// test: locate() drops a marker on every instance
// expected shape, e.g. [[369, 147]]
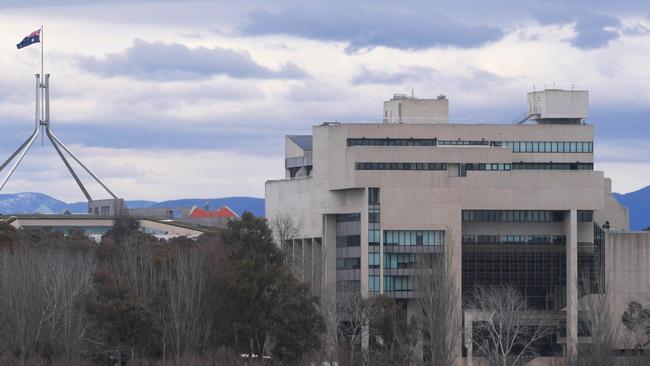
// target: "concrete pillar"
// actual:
[[365, 338], [453, 247], [571, 232], [469, 319]]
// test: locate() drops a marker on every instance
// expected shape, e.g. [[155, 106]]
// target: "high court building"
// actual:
[[517, 204]]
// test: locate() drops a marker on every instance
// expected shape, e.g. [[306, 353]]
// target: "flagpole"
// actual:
[[42, 85], [42, 72]]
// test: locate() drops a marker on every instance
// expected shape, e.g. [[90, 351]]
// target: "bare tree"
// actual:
[[506, 330], [184, 301], [330, 338], [597, 321], [438, 300], [41, 302], [355, 314], [285, 228]]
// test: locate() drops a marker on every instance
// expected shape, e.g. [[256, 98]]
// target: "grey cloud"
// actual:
[[635, 29], [415, 73], [174, 61], [595, 30], [370, 26], [421, 25]]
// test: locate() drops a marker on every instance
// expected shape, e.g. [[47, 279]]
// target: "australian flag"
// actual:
[[34, 37]]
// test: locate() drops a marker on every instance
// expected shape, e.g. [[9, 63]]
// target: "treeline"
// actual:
[[225, 299]]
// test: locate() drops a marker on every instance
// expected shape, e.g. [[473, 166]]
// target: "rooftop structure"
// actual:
[[409, 109]]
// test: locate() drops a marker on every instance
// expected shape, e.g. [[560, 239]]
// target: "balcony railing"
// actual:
[[298, 162]]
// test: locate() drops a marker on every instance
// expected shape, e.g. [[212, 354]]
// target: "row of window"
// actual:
[[512, 216], [352, 217], [517, 146], [344, 241], [391, 283], [552, 166], [400, 166], [348, 263], [475, 166], [522, 216], [414, 237], [399, 260], [391, 142], [398, 283], [547, 146], [463, 143], [487, 166], [504, 239], [393, 260]]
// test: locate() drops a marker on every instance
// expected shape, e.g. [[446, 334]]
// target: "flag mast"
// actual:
[[42, 86], [42, 72]]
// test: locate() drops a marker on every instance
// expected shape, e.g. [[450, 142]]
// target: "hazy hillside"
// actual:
[[26, 203], [638, 202]]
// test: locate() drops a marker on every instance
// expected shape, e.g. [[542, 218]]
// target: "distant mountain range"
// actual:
[[29, 202], [638, 202]]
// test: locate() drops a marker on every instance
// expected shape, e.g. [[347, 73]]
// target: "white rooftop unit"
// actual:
[[409, 109], [558, 106]]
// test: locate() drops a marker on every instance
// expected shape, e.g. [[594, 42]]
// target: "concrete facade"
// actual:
[[476, 186]]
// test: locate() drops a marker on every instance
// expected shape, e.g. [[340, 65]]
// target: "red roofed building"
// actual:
[[223, 212]]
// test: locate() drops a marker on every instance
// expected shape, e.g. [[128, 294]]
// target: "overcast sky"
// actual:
[[170, 99]]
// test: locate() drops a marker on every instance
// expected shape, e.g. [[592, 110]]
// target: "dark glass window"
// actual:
[[373, 196], [585, 216], [512, 216], [391, 142], [399, 166], [348, 263]]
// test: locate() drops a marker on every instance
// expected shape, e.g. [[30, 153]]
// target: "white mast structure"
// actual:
[[42, 126]]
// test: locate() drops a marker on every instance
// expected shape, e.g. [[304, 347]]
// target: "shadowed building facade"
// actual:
[[516, 204]]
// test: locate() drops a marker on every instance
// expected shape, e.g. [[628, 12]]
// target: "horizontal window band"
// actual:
[[516, 146]]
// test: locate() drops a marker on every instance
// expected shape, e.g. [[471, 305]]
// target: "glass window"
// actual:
[[373, 237], [388, 284], [373, 283], [373, 196], [373, 260]]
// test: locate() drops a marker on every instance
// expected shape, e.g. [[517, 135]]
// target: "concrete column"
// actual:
[[571, 232], [453, 247], [365, 338], [469, 319], [328, 246]]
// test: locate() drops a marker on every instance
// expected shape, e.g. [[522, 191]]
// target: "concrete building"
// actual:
[[195, 216], [96, 226], [517, 204]]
